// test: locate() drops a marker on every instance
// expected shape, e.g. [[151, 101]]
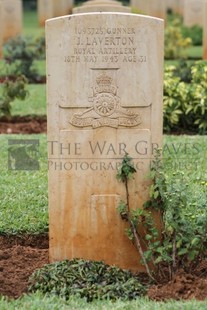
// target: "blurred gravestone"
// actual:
[[1, 29], [193, 13], [45, 11], [205, 30], [12, 18], [101, 6], [62, 7], [104, 97], [156, 8], [176, 6]]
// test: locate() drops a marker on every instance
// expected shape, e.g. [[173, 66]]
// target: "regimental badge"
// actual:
[[106, 109]]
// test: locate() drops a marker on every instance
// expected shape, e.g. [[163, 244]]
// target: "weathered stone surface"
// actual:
[[45, 11], [104, 94], [193, 12], [101, 6], [156, 8], [205, 30], [12, 18]]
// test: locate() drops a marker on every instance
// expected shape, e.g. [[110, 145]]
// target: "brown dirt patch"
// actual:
[[24, 125], [183, 286], [20, 256]]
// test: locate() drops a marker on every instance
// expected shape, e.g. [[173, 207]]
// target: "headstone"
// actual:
[[60, 7], [45, 11], [1, 29], [12, 18], [193, 13], [104, 97], [205, 30], [70, 6], [156, 8], [176, 6], [101, 6]]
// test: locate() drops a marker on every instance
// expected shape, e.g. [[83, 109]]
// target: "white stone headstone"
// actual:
[[193, 13], [104, 94], [12, 18], [45, 11]]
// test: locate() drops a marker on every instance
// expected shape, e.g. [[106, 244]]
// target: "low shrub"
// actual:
[[20, 53], [195, 33], [185, 104], [175, 43], [182, 241], [86, 279], [10, 91]]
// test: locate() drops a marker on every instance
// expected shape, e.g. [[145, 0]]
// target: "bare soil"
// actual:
[[20, 256], [23, 125]]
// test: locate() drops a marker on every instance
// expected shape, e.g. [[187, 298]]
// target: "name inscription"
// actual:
[[107, 45]]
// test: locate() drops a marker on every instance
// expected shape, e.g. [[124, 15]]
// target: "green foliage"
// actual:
[[86, 279], [195, 33], [20, 53], [126, 169], [175, 43], [183, 240], [185, 105], [10, 91], [183, 71]]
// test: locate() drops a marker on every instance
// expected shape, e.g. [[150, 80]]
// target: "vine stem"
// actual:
[[136, 237]]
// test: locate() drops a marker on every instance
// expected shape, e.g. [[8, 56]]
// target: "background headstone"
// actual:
[[104, 97], [1, 29], [61, 7], [45, 11], [205, 30], [101, 6], [12, 18], [156, 8], [176, 6], [193, 13]]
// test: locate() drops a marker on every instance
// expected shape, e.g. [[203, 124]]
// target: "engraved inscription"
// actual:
[[106, 109], [92, 45]]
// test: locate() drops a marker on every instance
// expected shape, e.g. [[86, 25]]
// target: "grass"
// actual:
[[195, 52], [38, 301], [30, 24], [23, 194]]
